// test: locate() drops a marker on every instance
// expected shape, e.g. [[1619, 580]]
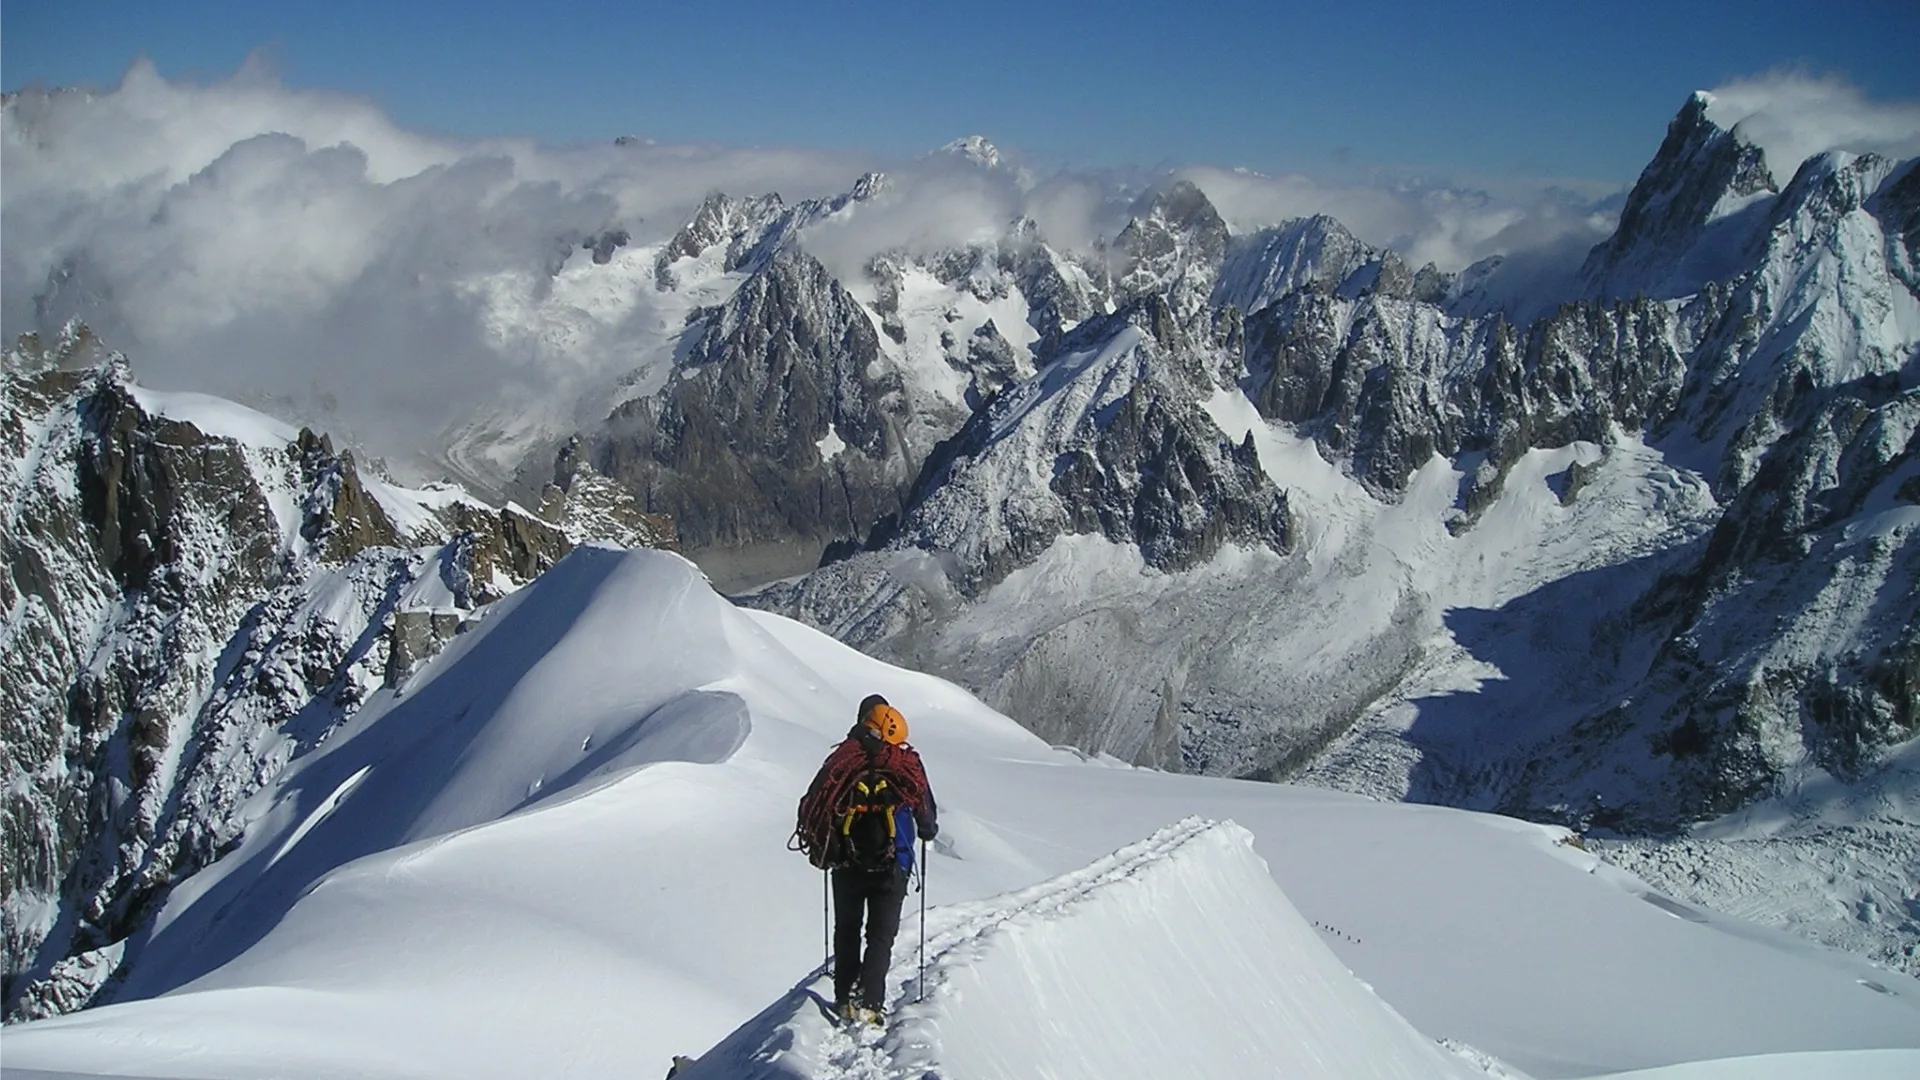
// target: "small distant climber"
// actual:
[[859, 819]]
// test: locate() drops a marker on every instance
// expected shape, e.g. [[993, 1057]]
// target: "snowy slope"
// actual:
[[559, 850]]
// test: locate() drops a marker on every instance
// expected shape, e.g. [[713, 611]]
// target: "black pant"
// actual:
[[876, 896]]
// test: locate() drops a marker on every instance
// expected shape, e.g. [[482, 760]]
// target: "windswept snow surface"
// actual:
[[1176, 956], [559, 850]]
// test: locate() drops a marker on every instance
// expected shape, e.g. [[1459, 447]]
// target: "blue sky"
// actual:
[[1543, 88]]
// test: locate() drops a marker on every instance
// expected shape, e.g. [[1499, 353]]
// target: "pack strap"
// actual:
[[885, 810]]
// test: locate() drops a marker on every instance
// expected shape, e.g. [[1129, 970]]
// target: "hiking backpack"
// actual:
[[859, 811], [876, 828]]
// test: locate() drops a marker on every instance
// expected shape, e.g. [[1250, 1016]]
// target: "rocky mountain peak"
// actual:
[[1181, 208], [720, 219], [590, 508], [782, 389], [1831, 184], [1273, 262], [1703, 175], [341, 516], [74, 348], [1173, 246]]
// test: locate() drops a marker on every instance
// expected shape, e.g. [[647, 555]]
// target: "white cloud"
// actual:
[[1792, 116], [925, 206], [250, 240], [1450, 222]]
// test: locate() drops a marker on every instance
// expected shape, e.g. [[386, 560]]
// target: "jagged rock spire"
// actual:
[[1702, 174]]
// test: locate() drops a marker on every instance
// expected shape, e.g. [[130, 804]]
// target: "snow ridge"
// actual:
[[1038, 982]]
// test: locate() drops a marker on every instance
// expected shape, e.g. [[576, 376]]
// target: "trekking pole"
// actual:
[[922, 982], [826, 940]]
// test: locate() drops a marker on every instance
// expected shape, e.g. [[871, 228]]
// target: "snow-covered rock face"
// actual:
[[197, 596], [1386, 382], [1788, 648], [735, 223], [1316, 251], [1111, 440]]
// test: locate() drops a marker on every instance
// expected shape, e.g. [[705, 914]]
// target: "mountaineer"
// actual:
[[859, 819]]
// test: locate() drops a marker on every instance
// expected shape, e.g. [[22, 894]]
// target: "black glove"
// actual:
[[932, 830]]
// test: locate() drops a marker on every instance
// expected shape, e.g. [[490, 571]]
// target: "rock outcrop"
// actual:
[[1687, 220], [778, 424]]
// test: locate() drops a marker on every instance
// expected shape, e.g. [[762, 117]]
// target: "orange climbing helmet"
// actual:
[[883, 719]]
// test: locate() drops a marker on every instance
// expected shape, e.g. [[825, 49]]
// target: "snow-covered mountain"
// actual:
[[1278, 504], [1446, 432], [197, 595], [555, 848], [1637, 565]]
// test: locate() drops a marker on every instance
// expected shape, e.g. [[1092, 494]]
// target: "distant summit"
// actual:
[[974, 148]]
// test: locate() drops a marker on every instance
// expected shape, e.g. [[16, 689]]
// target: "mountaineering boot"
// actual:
[[872, 1016], [846, 1011]]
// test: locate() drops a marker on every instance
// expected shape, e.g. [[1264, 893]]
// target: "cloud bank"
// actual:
[[1793, 115], [1450, 222], [298, 250]]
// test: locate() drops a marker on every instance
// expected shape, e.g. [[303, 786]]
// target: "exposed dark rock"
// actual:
[[1721, 721], [1056, 288], [587, 506], [1162, 480], [736, 223], [341, 517], [1387, 382], [777, 425], [1131, 456], [991, 364], [1173, 247]]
